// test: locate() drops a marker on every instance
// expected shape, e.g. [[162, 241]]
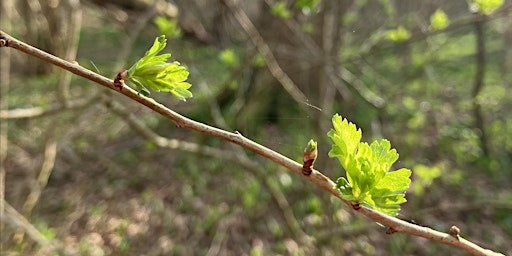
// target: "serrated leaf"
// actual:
[[155, 72], [383, 154], [389, 193], [368, 180], [345, 137], [343, 186], [396, 181]]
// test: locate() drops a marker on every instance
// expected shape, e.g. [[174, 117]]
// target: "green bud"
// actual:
[[311, 151]]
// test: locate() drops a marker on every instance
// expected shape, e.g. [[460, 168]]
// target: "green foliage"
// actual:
[[369, 181], [250, 195], [438, 20], [258, 61], [485, 6], [307, 6], [154, 71], [168, 27], [280, 10], [308, 27], [45, 230], [229, 57], [398, 35], [423, 178]]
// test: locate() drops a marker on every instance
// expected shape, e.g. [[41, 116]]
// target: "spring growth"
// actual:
[[155, 72], [310, 154]]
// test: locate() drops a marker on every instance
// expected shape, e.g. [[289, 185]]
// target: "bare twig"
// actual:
[[316, 177], [500, 13], [5, 70], [50, 153], [236, 157], [266, 52], [253, 167], [55, 108], [478, 86], [221, 234], [17, 221]]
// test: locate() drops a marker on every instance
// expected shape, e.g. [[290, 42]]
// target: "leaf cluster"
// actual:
[[155, 72], [369, 181]]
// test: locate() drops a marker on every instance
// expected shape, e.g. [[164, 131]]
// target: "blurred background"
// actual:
[[89, 172]]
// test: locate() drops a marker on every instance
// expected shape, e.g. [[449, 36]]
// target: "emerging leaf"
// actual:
[[311, 151], [310, 154], [155, 72], [369, 181]]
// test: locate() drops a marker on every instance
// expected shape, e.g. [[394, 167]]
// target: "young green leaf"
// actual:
[[368, 179], [155, 72]]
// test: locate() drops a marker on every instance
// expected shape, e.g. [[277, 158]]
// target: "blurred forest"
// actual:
[[87, 171]]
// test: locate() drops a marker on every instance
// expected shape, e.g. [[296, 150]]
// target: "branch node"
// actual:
[[356, 206], [119, 80], [178, 124], [310, 155], [307, 168], [4, 42], [390, 231], [455, 231]]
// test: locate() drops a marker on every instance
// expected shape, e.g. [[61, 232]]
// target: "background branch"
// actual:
[[18, 221], [266, 52], [22, 113]]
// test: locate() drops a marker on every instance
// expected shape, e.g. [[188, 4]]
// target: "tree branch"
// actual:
[[21, 113], [18, 221], [316, 177], [236, 156], [265, 51]]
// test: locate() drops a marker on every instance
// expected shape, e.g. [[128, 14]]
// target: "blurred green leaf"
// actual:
[[424, 176], [258, 61], [229, 57], [398, 35], [307, 6], [280, 10], [485, 6], [168, 27], [155, 72], [438, 20], [308, 27]]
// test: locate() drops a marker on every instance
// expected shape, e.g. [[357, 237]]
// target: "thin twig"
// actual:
[[316, 177], [18, 221], [478, 115], [421, 35], [253, 167], [265, 51], [21, 113], [5, 70], [50, 153], [236, 157]]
